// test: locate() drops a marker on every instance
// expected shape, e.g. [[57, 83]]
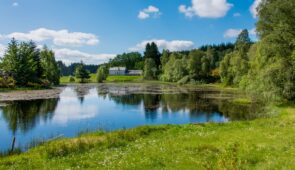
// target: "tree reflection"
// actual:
[[23, 115], [81, 92], [199, 105]]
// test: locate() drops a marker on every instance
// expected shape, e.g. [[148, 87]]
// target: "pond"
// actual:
[[112, 106]]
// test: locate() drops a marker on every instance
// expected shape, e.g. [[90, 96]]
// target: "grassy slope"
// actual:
[[267, 143]]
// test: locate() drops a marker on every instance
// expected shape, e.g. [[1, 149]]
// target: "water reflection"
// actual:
[[195, 104], [112, 107], [24, 115]]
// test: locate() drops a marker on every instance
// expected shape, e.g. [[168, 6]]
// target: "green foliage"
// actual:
[[28, 65], [101, 74], [235, 65], [7, 82], [243, 38], [51, 71], [70, 69], [129, 60], [72, 79], [150, 69], [81, 73], [164, 58], [175, 69], [272, 67], [152, 52], [184, 80]]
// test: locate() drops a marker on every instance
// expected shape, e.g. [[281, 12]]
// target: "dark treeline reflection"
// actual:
[[24, 115], [195, 103]]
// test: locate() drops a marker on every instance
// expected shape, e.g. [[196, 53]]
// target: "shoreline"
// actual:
[[152, 87]]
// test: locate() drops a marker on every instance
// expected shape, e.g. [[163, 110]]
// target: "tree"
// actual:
[[128, 60], [81, 73], [22, 61], [152, 52], [195, 64], [150, 69], [10, 58], [165, 58], [235, 65], [101, 74], [243, 37], [272, 65], [175, 69], [50, 67]]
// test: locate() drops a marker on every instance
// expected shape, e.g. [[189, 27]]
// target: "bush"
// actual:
[[34, 85], [184, 80], [101, 74], [72, 79], [7, 82]]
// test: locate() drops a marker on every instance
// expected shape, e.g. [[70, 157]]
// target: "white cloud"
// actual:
[[253, 31], [237, 14], [206, 8], [59, 37], [75, 111], [2, 49], [148, 12], [143, 15], [175, 45], [15, 4], [253, 8], [233, 33], [70, 56]]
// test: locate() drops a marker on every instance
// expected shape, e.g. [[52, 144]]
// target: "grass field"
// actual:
[[267, 143], [124, 78], [66, 79]]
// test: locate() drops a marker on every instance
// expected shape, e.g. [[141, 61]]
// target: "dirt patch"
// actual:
[[30, 94]]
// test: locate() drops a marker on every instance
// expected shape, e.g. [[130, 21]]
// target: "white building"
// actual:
[[124, 71], [117, 71]]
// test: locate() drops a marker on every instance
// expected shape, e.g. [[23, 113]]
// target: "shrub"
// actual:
[[184, 80], [72, 79], [7, 82]]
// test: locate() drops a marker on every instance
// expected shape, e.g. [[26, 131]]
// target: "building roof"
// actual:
[[117, 68], [135, 71]]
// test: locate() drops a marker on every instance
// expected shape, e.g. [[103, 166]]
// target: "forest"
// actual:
[[23, 64], [265, 67]]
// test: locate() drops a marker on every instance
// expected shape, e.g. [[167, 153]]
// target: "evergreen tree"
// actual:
[[81, 73], [152, 52]]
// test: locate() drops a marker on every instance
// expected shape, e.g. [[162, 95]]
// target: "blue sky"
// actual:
[[96, 30]]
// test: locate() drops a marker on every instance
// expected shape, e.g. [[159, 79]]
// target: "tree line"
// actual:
[[23, 64], [265, 67], [70, 69]]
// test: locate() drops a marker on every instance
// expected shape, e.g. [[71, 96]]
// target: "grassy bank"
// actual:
[[267, 143], [66, 79]]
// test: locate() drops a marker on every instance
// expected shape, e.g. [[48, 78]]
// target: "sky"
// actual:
[[97, 30]]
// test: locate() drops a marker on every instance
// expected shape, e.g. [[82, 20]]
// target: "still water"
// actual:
[[111, 107]]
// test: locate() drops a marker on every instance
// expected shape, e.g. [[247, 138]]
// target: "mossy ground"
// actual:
[[267, 143]]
